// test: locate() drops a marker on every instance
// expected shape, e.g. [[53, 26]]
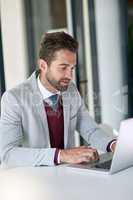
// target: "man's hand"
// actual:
[[78, 155]]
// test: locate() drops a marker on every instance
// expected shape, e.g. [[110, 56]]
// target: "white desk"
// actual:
[[60, 183]]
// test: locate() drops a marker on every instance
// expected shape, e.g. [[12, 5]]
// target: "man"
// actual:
[[39, 117]]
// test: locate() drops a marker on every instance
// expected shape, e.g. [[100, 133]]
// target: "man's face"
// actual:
[[59, 73]]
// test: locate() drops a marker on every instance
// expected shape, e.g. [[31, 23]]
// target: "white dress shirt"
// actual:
[[45, 92]]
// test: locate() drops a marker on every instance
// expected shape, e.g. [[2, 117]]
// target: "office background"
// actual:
[[104, 29]]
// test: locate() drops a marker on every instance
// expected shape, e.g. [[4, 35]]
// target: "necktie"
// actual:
[[54, 101]]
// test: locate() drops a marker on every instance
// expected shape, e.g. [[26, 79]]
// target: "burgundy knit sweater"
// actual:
[[55, 125]]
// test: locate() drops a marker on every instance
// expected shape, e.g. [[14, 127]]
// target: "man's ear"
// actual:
[[42, 64]]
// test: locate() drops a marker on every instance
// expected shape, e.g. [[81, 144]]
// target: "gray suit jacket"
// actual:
[[24, 133]]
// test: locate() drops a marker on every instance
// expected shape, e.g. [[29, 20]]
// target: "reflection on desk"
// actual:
[[61, 183]]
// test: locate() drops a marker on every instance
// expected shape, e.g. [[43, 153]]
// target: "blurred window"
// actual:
[[42, 16]]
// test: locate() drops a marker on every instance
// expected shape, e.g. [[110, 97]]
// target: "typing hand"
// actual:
[[78, 155]]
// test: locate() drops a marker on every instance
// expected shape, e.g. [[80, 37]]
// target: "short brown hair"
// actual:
[[52, 42]]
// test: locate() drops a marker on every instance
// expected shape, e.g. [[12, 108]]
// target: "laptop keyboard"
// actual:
[[104, 165]]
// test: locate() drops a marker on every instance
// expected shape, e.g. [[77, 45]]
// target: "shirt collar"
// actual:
[[45, 93]]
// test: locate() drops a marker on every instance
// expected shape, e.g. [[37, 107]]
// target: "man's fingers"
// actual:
[[92, 153], [96, 155]]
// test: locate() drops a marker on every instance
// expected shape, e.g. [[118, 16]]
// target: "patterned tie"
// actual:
[[54, 101]]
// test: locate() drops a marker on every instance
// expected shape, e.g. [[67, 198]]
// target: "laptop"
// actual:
[[122, 158]]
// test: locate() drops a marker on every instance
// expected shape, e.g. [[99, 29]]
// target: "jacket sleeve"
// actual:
[[12, 153], [90, 130]]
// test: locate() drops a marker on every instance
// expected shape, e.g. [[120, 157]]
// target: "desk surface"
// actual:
[[62, 183]]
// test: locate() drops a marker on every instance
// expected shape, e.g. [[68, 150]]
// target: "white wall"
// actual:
[[13, 41], [110, 62]]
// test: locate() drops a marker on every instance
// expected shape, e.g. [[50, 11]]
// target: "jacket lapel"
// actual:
[[40, 110], [38, 105]]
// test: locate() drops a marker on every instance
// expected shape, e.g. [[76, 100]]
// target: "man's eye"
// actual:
[[63, 68], [73, 68]]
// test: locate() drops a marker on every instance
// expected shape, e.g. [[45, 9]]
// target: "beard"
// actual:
[[57, 84]]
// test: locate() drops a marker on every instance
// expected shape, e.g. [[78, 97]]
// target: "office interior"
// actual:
[[104, 29]]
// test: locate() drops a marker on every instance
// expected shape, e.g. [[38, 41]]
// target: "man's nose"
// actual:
[[69, 74]]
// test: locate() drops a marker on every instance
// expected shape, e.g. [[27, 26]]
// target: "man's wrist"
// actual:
[[57, 157], [110, 145]]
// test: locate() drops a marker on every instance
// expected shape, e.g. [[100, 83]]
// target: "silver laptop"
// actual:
[[121, 159]]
